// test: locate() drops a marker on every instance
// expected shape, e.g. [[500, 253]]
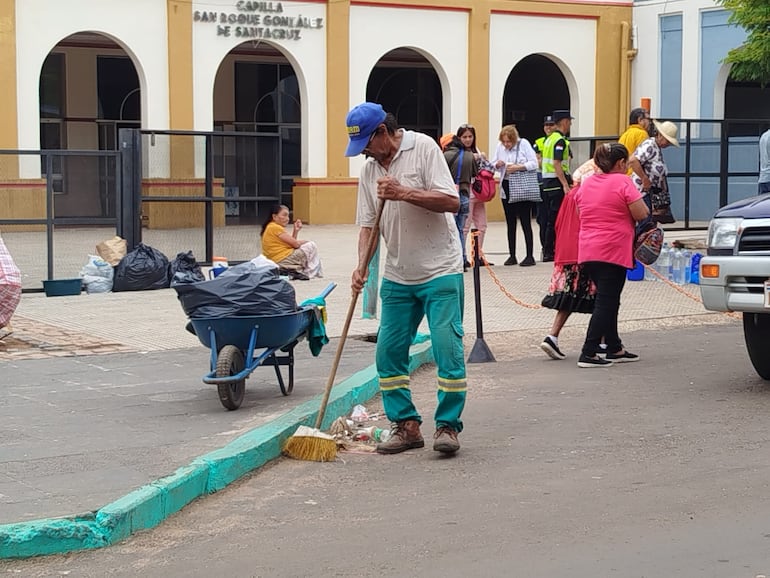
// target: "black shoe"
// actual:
[[528, 262], [548, 259], [551, 349], [585, 361], [487, 263], [624, 357], [511, 261]]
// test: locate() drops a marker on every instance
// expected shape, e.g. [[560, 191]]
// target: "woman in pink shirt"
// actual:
[[570, 289], [609, 206]]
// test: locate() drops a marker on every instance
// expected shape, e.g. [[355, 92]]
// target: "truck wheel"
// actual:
[[756, 332]]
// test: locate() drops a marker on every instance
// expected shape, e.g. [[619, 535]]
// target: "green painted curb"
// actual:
[[148, 506]]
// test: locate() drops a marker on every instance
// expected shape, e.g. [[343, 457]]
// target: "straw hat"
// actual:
[[667, 130]]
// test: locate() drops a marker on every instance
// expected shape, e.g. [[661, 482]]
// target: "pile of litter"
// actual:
[[359, 433]]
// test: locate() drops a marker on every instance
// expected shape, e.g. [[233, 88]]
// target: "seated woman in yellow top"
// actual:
[[286, 250]]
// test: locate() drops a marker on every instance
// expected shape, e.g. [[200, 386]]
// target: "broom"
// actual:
[[311, 444]]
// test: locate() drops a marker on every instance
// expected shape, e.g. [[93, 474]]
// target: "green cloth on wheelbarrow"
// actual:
[[316, 331]]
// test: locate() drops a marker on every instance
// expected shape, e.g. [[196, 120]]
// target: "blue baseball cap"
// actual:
[[362, 121]]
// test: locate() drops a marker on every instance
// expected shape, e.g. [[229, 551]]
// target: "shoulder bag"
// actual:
[[661, 204], [648, 243], [523, 185]]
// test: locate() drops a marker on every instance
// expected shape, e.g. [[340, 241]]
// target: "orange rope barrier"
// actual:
[[687, 294], [496, 280], [517, 301]]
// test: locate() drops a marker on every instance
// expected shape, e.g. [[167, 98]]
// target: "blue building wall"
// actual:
[[743, 156], [717, 39], [671, 66]]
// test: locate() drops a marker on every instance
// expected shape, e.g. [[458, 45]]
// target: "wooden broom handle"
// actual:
[[370, 249]]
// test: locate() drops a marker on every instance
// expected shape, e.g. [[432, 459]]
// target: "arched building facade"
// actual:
[[77, 71]]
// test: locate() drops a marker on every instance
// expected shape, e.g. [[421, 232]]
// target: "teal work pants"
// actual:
[[441, 300]]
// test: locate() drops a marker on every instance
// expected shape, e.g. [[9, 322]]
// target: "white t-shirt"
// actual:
[[421, 244], [764, 157]]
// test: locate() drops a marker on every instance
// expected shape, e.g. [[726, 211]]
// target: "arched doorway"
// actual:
[[257, 91], [534, 88], [406, 84], [746, 100], [89, 90]]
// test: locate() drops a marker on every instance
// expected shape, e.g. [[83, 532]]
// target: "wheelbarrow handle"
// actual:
[[329, 288]]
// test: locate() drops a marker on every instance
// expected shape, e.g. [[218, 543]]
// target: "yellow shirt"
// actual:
[[632, 138], [272, 246]]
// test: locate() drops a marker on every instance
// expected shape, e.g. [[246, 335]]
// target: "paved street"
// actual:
[[103, 392], [649, 469]]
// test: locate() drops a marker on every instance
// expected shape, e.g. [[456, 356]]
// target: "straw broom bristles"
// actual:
[[311, 444]]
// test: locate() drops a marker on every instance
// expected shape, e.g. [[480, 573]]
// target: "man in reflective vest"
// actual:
[[556, 177], [540, 214]]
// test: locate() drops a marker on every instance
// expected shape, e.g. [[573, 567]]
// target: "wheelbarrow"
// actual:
[[241, 344]]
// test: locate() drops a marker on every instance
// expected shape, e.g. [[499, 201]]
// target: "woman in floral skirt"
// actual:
[[570, 290]]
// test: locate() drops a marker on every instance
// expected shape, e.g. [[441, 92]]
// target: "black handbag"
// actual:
[[661, 204]]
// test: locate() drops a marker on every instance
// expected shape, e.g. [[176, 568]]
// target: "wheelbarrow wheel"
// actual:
[[230, 362]]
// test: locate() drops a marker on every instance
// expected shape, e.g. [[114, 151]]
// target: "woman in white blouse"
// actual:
[[515, 154]]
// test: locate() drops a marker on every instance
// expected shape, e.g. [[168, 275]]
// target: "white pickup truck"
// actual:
[[735, 273]]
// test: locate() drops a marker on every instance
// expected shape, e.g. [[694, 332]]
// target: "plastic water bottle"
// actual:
[[677, 267], [648, 274], [663, 264], [687, 260], [372, 433], [695, 269]]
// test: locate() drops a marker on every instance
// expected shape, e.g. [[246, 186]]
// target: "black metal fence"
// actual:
[[69, 200], [246, 166], [716, 163]]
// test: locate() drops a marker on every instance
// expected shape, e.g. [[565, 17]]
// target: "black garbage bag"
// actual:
[[142, 269], [185, 269], [243, 290]]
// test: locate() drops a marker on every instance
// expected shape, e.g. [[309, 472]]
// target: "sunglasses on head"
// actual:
[[462, 126]]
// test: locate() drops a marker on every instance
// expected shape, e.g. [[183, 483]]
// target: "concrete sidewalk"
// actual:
[[152, 320], [103, 395]]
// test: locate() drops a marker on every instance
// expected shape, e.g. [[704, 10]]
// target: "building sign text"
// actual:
[[261, 20]]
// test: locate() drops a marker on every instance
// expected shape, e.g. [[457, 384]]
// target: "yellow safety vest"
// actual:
[[549, 146]]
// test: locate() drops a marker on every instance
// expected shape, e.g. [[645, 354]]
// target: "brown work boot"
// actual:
[[445, 440], [405, 435]]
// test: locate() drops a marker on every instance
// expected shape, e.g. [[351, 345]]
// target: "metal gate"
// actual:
[[54, 197], [56, 205]]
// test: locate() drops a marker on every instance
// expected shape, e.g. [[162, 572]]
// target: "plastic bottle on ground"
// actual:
[[372, 433], [687, 260], [677, 267], [663, 264], [648, 273], [695, 269]]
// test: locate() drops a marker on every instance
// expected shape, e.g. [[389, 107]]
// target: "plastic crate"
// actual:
[[60, 287], [637, 273]]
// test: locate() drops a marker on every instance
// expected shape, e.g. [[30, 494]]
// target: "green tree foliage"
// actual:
[[751, 61]]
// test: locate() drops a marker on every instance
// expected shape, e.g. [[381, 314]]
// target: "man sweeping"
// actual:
[[423, 273]]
